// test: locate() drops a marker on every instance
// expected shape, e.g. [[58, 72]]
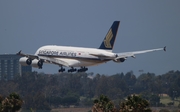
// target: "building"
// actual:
[[9, 66]]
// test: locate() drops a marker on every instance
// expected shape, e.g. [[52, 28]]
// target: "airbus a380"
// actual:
[[79, 57]]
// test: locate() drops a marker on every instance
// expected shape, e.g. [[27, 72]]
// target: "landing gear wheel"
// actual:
[[72, 70], [82, 69], [61, 70]]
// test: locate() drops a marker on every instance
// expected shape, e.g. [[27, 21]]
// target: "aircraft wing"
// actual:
[[27, 55], [132, 54], [101, 56], [45, 59]]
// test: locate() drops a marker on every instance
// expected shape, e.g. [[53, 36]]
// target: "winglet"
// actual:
[[164, 48], [18, 53]]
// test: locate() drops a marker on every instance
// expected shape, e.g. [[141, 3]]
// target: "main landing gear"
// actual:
[[82, 69], [62, 69], [72, 70]]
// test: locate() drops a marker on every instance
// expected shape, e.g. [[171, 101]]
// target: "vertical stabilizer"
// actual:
[[110, 37]]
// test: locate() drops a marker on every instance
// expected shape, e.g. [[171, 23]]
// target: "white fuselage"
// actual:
[[76, 56], [66, 56]]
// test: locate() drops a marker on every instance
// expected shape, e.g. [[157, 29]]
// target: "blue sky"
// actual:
[[27, 25]]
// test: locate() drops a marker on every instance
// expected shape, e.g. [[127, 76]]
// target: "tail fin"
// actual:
[[110, 37]]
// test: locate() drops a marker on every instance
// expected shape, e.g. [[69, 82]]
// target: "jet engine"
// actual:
[[119, 60], [25, 61], [37, 63]]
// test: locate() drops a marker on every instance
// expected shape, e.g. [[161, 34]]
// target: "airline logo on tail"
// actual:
[[107, 40], [110, 37]]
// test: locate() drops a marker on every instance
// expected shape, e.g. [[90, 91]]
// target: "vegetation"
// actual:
[[103, 104], [133, 103], [12, 103], [42, 91]]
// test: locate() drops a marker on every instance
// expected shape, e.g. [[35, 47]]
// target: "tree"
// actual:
[[36, 102], [135, 103], [103, 104], [12, 103]]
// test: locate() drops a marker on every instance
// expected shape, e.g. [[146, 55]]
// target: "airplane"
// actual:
[[80, 57]]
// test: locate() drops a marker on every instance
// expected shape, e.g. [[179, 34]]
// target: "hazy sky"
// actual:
[[145, 24]]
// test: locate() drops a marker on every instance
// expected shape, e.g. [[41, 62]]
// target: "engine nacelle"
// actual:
[[120, 60], [25, 61], [37, 63]]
